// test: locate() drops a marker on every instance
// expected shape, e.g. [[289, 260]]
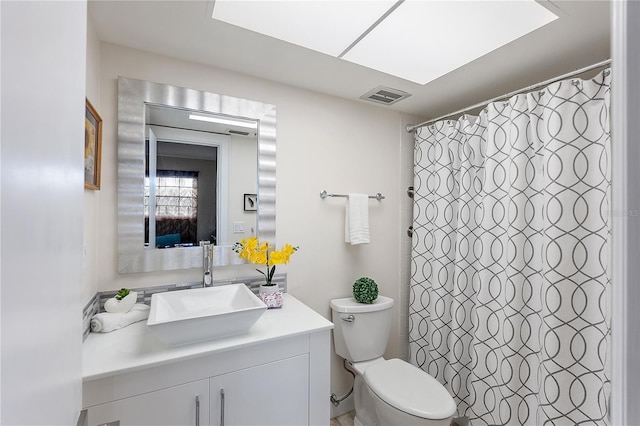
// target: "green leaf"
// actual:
[[124, 292], [365, 290]]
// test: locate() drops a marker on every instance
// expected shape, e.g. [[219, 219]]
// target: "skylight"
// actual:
[[417, 40], [327, 26]]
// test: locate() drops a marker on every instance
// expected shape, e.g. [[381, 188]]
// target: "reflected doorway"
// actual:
[[182, 202]]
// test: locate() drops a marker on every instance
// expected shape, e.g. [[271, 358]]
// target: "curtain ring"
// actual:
[[541, 93], [607, 72]]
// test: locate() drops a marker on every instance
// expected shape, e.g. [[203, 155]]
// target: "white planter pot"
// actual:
[[124, 305]]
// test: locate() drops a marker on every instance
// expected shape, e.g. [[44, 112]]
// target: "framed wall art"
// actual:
[[92, 147], [250, 202]]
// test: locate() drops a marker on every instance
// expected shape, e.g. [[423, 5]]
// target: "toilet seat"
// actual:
[[409, 389]]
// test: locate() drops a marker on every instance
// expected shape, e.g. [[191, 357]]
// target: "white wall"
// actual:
[[43, 91], [323, 142], [91, 197], [242, 180]]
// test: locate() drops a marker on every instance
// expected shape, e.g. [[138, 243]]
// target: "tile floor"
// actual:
[[347, 420], [343, 420]]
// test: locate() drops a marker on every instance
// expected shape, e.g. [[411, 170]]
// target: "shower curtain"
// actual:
[[510, 279]]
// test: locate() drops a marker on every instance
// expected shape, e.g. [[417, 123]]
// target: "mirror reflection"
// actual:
[[199, 169], [193, 166]]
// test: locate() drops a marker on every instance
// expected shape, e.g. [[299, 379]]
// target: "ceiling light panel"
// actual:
[[224, 121], [423, 40], [327, 26]]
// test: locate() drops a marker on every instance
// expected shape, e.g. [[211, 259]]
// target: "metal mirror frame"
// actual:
[[133, 95]]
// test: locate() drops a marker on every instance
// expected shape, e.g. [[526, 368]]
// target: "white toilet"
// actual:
[[386, 392]]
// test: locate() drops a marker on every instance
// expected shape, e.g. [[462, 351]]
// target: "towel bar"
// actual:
[[324, 194]]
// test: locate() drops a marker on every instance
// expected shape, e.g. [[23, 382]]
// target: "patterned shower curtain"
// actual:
[[509, 298]]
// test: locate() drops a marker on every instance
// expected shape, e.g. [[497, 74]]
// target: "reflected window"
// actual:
[[176, 208], [176, 212], [176, 194]]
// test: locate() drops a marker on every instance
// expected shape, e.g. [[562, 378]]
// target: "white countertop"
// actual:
[[136, 347]]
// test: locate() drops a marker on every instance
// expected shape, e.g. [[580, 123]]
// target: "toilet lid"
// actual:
[[409, 389]]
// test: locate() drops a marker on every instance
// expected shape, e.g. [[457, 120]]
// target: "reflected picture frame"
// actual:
[[92, 146], [250, 202]]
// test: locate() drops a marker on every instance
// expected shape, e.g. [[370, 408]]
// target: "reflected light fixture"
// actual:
[[225, 121]]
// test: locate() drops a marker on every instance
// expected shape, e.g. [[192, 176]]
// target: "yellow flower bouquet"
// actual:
[[253, 251]]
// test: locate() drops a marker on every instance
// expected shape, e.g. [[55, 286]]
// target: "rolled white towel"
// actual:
[[105, 322]]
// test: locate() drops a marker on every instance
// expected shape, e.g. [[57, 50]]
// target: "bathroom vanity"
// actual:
[[275, 374]]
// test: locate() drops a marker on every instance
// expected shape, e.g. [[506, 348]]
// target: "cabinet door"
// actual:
[[167, 407], [272, 394]]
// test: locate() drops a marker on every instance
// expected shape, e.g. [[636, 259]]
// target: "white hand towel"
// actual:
[[105, 322], [356, 229]]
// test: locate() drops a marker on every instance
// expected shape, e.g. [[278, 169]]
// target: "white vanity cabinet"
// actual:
[[274, 394], [277, 374], [186, 404]]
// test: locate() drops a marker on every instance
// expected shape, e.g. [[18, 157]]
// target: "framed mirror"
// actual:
[[145, 246]]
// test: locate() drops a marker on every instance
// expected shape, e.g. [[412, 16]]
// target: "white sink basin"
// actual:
[[188, 316]]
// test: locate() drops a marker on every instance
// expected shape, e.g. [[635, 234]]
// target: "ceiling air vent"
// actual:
[[385, 95]]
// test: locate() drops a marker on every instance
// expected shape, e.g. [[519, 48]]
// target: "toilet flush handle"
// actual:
[[347, 318]]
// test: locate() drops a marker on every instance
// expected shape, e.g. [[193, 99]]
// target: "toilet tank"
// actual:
[[361, 330]]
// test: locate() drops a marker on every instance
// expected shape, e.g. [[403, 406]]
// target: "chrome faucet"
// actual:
[[207, 258]]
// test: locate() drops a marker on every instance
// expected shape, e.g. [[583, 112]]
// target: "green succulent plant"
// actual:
[[122, 293], [365, 290]]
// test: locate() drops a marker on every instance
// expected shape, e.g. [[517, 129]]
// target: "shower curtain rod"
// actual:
[[411, 127]]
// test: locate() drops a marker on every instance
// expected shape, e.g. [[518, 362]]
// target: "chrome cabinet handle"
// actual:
[[222, 407], [197, 410]]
